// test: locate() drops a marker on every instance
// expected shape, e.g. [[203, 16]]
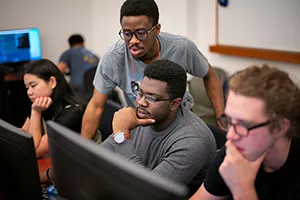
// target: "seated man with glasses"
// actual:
[[260, 157], [160, 134], [141, 43]]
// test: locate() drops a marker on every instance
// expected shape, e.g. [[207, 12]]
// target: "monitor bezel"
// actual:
[[24, 61], [89, 152], [17, 138]]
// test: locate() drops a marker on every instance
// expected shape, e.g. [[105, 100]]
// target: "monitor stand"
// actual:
[[2, 95]]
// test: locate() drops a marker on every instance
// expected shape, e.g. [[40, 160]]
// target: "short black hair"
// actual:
[[140, 7], [75, 39], [171, 73]]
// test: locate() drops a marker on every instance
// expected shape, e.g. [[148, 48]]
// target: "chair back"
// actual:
[[202, 105], [219, 134], [110, 108], [88, 83]]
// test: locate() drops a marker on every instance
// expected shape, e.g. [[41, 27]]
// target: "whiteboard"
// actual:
[[268, 24]]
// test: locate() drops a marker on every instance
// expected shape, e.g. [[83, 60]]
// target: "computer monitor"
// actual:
[[19, 176], [20, 45], [85, 170]]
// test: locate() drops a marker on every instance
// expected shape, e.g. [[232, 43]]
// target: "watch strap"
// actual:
[[125, 134]]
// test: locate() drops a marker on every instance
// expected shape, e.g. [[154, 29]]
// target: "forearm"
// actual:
[[245, 194], [125, 149], [26, 125], [35, 127], [91, 120], [215, 93], [62, 66], [41, 150]]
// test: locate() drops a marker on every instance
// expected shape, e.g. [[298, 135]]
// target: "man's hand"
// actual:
[[125, 120], [42, 103], [239, 173]]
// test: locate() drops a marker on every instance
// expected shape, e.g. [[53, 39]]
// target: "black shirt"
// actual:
[[70, 117], [283, 183]]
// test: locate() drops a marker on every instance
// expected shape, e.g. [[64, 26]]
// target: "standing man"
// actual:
[[261, 157], [77, 60], [177, 144], [141, 43]]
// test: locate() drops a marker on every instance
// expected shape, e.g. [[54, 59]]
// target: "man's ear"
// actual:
[[157, 29], [176, 103], [284, 125], [53, 82]]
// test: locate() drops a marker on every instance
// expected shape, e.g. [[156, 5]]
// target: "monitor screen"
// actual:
[[19, 176], [85, 170], [20, 45]]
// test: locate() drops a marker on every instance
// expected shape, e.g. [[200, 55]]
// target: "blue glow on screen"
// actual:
[[20, 45]]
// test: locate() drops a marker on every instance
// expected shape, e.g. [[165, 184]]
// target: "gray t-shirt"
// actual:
[[182, 152], [115, 67]]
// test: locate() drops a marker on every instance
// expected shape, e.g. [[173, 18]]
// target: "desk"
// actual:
[[44, 164]]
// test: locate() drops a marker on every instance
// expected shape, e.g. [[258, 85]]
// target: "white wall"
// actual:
[[106, 20], [270, 24], [56, 20], [206, 36], [98, 22], [192, 18]]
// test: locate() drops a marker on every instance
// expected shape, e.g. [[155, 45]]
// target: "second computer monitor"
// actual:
[[85, 170]]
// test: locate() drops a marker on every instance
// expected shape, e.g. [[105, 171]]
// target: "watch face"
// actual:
[[119, 137]]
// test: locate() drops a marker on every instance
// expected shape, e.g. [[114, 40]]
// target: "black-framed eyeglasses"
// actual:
[[139, 34], [149, 98], [240, 128]]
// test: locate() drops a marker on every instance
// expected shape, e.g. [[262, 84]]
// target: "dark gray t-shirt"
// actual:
[[115, 67], [182, 152]]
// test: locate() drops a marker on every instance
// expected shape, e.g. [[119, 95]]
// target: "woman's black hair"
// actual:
[[63, 94]]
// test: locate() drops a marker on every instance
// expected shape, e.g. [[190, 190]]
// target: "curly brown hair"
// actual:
[[280, 94]]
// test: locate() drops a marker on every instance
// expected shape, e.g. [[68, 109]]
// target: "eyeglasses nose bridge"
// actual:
[[232, 132], [131, 36], [140, 97]]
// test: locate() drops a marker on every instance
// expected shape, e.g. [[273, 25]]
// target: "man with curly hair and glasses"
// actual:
[[141, 43], [260, 157]]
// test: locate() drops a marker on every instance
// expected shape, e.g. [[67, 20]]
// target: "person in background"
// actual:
[[160, 134], [260, 158], [77, 60], [142, 43], [52, 99]]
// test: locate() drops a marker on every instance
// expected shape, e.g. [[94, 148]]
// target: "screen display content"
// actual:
[[20, 45]]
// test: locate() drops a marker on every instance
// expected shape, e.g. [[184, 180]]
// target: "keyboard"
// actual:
[[44, 192]]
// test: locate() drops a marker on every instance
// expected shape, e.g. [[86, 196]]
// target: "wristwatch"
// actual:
[[120, 137]]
